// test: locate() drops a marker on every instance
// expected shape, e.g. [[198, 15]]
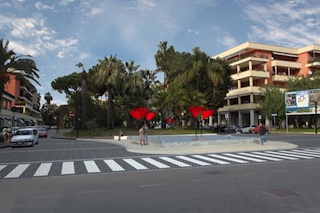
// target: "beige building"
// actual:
[[254, 65]]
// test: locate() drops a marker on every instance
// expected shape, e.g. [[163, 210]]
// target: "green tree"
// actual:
[[22, 66], [84, 92], [108, 72], [48, 98], [272, 102]]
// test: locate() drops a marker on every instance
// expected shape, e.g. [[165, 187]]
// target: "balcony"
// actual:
[[250, 73], [238, 107], [286, 64], [243, 91], [23, 88], [315, 64], [254, 60]]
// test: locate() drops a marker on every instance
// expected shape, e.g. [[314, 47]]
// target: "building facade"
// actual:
[[254, 65], [20, 103]]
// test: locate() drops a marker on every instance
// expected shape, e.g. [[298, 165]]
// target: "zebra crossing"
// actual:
[[46, 169]]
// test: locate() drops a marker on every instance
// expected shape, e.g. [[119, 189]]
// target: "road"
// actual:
[[83, 177]]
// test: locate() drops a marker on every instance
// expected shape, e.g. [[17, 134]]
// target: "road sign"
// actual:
[[274, 114], [71, 114]]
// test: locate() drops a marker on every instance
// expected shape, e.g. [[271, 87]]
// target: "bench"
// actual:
[[122, 138]]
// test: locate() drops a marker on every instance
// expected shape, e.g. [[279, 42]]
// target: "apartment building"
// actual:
[[20, 103], [254, 65]]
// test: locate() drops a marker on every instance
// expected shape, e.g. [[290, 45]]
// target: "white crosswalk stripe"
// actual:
[[313, 154], [290, 155], [156, 163], [211, 159], [259, 156], [2, 167], [43, 170], [175, 162], [275, 155], [244, 157], [135, 164], [228, 158], [91, 166], [16, 172], [114, 166], [148, 163], [201, 163], [303, 154], [67, 168]]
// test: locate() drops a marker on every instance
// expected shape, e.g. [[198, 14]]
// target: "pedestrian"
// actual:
[[5, 134], [262, 132], [146, 130], [120, 135], [9, 134], [142, 139]]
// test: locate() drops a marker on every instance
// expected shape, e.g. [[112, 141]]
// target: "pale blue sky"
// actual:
[[61, 33]]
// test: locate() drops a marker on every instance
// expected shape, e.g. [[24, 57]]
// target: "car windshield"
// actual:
[[24, 132]]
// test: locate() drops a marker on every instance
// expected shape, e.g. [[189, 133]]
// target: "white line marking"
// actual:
[[114, 166], [135, 164], [245, 158], [43, 170], [2, 167], [175, 162], [91, 166], [150, 185], [67, 168], [156, 163], [290, 155], [201, 163], [275, 155], [258, 156], [228, 159], [211, 159], [16, 172], [312, 154]]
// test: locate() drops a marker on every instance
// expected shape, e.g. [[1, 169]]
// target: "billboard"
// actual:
[[302, 102]]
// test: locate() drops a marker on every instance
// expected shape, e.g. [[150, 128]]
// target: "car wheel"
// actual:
[[250, 131], [32, 144]]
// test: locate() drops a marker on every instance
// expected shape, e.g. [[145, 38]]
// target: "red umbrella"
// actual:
[[169, 120], [207, 113], [143, 111], [150, 115], [135, 114], [195, 110]]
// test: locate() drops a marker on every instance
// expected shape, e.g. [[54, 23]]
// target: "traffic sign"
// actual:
[[71, 114]]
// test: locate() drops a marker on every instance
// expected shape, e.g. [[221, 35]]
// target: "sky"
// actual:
[[59, 34]]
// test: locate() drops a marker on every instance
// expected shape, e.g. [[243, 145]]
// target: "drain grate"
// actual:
[[281, 193]]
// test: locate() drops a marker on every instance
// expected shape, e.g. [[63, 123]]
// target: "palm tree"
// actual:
[[163, 60], [107, 74], [21, 66], [48, 98], [84, 115]]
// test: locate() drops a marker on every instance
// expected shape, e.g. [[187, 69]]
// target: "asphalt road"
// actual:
[[281, 182]]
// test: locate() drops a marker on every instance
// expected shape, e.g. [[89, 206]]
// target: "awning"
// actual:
[[285, 54]]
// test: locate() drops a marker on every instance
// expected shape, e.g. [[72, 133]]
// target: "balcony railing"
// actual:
[[244, 90], [251, 73], [290, 64]]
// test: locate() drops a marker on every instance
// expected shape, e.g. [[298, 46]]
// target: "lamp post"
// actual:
[[13, 109]]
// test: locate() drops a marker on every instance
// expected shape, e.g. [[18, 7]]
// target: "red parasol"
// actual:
[[143, 111], [135, 114], [150, 115], [207, 113], [195, 110]]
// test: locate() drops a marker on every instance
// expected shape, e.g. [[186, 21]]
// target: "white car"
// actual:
[[248, 129], [25, 137]]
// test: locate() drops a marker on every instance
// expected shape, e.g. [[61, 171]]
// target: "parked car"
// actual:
[[25, 137], [219, 128], [248, 129], [256, 129], [233, 129], [42, 132]]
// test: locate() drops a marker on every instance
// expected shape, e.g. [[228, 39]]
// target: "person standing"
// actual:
[[141, 134], [146, 130], [5, 134], [262, 132]]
